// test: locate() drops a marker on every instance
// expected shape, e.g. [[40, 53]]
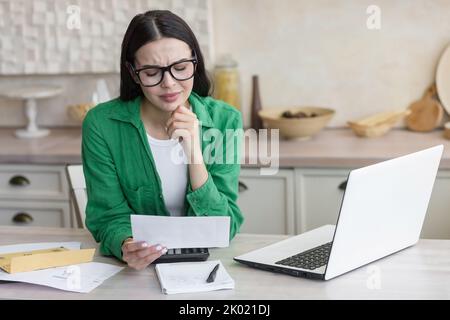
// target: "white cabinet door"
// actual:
[[33, 182], [437, 220], [34, 195], [267, 202], [318, 197], [35, 213]]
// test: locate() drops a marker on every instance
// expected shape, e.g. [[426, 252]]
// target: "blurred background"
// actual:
[[304, 52], [337, 74]]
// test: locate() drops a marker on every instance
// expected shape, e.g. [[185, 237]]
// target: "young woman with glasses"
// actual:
[[143, 153]]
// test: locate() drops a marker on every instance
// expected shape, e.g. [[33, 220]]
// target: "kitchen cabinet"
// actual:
[[34, 195], [319, 194], [267, 202], [34, 213], [437, 220], [293, 201], [297, 200]]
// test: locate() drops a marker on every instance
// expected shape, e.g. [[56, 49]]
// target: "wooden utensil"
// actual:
[[378, 124], [426, 113]]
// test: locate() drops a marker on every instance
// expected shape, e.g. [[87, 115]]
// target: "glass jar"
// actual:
[[227, 82]]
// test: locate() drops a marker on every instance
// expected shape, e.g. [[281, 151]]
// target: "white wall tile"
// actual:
[[102, 25]]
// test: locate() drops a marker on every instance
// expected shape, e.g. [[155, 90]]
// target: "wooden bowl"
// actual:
[[378, 124], [315, 119]]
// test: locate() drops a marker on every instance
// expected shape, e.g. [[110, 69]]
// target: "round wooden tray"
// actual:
[[443, 79]]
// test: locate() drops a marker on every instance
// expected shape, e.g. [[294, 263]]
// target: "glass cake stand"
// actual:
[[29, 95]]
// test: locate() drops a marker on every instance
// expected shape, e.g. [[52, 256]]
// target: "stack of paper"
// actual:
[[184, 277], [82, 277]]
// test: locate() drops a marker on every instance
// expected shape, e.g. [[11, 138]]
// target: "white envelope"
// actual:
[[182, 232]]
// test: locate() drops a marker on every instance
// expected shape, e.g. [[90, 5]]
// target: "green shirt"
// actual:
[[121, 176]]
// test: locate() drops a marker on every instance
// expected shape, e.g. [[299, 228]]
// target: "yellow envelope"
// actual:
[[42, 259]]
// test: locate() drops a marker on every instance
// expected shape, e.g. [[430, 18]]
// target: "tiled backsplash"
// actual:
[[79, 36], [72, 44]]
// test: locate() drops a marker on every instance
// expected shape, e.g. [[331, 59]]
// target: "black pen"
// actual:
[[212, 275]]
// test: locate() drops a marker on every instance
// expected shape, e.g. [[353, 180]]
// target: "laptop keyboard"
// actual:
[[310, 259]]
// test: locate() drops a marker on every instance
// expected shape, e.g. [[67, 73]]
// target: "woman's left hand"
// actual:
[[184, 123]]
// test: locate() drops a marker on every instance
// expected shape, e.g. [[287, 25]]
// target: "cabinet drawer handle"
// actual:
[[343, 185], [242, 186], [19, 181], [22, 217]]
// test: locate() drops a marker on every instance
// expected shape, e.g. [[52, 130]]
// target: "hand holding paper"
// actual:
[[182, 232], [139, 255]]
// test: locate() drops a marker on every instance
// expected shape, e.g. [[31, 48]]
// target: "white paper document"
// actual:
[[182, 232], [184, 277], [82, 277]]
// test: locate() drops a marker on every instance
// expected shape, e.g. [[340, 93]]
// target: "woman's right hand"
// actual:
[[138, 255]]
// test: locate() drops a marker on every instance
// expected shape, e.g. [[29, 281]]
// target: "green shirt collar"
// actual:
[[130, 111]]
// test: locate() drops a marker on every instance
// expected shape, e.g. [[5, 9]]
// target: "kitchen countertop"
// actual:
[[61, 146], [337, 148]]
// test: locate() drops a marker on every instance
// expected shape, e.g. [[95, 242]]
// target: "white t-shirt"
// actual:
[[171, 164]]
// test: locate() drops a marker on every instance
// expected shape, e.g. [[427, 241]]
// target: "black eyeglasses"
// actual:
[[150, 76]]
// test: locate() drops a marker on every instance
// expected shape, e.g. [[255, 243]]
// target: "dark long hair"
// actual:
[[153, 25]]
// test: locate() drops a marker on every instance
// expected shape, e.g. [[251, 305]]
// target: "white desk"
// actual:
[[420, 272]]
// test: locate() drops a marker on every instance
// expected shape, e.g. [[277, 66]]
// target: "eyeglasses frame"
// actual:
[[163, 69]]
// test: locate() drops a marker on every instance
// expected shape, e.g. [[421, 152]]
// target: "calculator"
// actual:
[[184, 255]]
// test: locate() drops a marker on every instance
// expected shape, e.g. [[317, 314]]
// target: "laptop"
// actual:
[[382, 212]]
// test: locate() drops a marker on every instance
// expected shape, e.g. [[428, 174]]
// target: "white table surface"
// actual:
[[419, 272]]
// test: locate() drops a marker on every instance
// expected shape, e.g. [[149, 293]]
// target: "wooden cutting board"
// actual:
[[426, 114]]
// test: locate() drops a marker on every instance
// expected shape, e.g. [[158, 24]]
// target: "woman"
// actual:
[[143, 152]]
